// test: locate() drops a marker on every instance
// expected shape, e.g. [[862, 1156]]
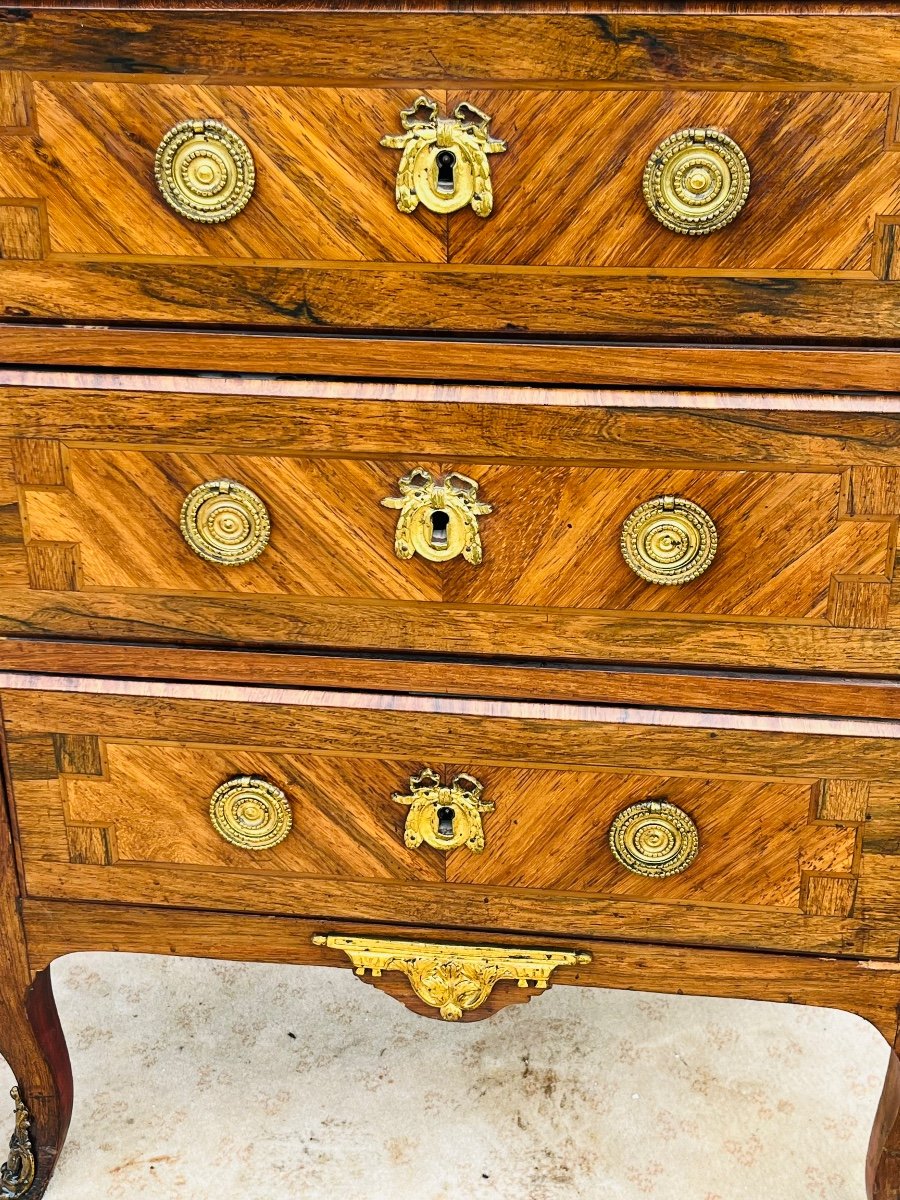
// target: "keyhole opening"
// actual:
[[440, 522], [446, 172], [446, 816]]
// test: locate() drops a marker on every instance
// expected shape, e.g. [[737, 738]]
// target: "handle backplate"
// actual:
[[251, 813], [669, 540], [696, 181], [225, 522], [654, 838], [205, 171]]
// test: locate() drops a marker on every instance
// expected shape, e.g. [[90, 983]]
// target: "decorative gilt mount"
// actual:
[[444, 163], [17, 1173], [225, 522], [438, 519], [453, 979], [654, 838], [444, 817], [250, 813], [205, 171], [696, 181], [669, 540]]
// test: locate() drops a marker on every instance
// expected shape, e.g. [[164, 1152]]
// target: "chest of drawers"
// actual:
[[449, 497]]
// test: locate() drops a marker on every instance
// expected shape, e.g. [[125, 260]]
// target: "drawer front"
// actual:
[[727, 830], [321, 235], [748, 537]]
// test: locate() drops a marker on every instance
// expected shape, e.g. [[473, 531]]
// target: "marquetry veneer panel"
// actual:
[[552, 541], [111, 795], [86, 236], [806, 505], [570, 195], [107, 520], [324, 187]]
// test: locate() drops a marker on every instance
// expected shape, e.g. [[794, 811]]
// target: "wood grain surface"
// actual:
[[567, 195], [751, 692], [780, 811], [516, 42], [514, 360], [325, 189], [450, 300], [322, 246], [806, 505]]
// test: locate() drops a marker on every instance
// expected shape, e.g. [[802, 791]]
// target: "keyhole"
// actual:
[[440, 521], [446, 172], [446, 816]]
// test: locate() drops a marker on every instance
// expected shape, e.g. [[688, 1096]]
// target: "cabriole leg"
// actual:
[[883, 1167], [32, 1042]]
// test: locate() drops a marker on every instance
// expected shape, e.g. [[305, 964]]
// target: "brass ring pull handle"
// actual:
[[444, 816], [445, 159], [654, 838], [251, 813], [696, 181], [438, 518], [669, 540], [225, 523], [205, 171]]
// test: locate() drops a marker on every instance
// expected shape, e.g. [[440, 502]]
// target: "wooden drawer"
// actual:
[[795, 819], [86, 99], [804, 507]]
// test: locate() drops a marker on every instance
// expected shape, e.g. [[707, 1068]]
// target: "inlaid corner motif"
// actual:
[[23, 214], [18, 1172], [453, 979], [859, 595]]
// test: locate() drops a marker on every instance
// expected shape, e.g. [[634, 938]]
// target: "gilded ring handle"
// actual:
[[250, 813], [669, 540], [654, 838], [696, 181], [225, 522], [205, 170]]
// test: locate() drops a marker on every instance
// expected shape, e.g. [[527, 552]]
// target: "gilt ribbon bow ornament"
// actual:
[[445, 159], [438, 518]]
